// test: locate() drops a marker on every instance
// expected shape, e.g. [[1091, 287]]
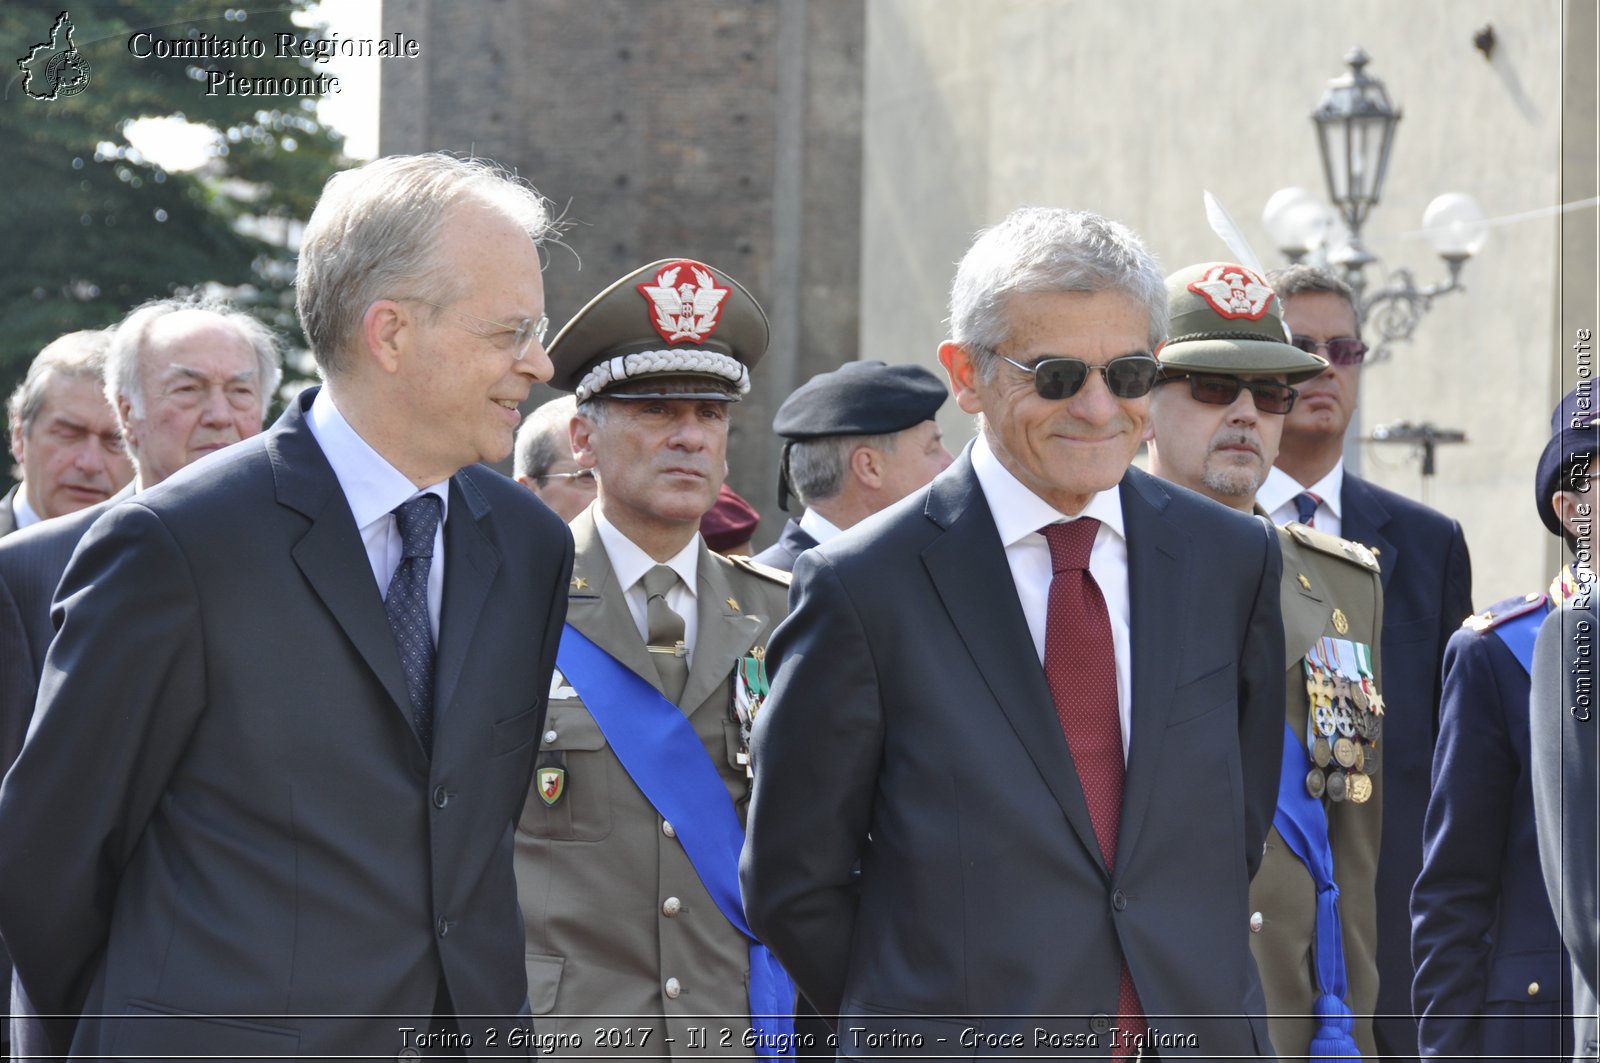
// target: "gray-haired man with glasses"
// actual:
[[543, 462], [1039, 702]]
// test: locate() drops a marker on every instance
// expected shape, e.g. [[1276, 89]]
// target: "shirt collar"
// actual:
[[818, 527], [1280, 488], [20, 509], [1018, 512], [630, 563], [371, 485]]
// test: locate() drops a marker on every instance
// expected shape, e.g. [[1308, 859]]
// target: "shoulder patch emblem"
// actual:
[[1501, 611], [1321, 541]]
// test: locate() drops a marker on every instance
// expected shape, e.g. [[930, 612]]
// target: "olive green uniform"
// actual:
[[625, 947], [1330, 587]]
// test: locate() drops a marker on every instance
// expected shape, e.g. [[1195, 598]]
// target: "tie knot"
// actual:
[[658, 581], [417, 519], [1071, 543], [1305, 506]]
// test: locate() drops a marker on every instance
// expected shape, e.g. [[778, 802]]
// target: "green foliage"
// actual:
[[92, 228]]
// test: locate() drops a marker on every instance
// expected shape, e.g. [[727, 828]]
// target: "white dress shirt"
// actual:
[[630, 564], [1276, 496], [1018, 515], [24, 513], [818, 527], [374, 488]]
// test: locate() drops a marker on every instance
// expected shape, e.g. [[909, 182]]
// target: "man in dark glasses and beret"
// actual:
[[1427, 592], [1039, 702], [1228, 383]]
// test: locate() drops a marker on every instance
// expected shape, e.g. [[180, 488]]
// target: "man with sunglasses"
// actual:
[[543, 463], [1215, 423], [1039, 702], [1427, 592]]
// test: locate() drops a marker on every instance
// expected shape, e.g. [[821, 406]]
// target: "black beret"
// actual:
[[860, 399], [1572, 435]]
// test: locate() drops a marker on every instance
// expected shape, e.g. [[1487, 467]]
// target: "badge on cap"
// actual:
[[685, 311], [1234, 292]]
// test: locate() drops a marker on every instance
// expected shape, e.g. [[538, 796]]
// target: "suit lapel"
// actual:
[[329, 550], [1157, 551], [596, 605], [723, 633], [470, 564], [967, 565], [1363, 520]]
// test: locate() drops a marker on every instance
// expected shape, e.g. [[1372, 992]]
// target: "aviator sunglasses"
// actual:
[[1129, 377], [1216, 389], [1346, 350]]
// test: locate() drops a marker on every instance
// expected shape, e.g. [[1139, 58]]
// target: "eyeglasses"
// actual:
[[581, 478], [525, 331], [1217, 389], [1129, 377], [1346, 350]]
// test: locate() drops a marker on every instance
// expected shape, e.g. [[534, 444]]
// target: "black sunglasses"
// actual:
[[1217, 389], [1129, 377], [1346, 350]]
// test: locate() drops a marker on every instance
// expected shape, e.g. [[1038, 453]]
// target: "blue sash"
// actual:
[[660, 750], [1519, 634], [1304, 828]]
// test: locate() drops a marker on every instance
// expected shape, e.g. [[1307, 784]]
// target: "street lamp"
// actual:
[[1355, 122]]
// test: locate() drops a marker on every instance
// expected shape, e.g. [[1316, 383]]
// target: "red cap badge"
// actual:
[[1234, 292], [686, 301]]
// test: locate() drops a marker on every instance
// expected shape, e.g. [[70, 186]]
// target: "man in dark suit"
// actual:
[[1039, 703], [1565, 754], [857, 440], [63, 434], [1427, 592], [289, 718], [1491, 973], [227, 365]]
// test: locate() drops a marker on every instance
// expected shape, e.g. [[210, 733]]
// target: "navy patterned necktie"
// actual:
[[407, 607], [1305, 506]]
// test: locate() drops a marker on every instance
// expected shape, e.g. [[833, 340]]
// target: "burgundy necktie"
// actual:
[[1080, 666]]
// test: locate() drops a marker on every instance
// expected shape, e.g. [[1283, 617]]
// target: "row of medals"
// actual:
[[1345, 732]]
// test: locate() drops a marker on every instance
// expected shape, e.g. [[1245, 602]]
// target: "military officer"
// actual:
[[627, 847], [1492, 975], [1215, 423]]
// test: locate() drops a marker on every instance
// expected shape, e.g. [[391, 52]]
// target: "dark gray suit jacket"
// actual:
[[1563, 725], [223, 808], [8, 513], [911, 729]]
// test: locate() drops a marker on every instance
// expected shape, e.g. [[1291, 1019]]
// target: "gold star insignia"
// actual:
[[1303, 581], [733, 603], [579, 583]]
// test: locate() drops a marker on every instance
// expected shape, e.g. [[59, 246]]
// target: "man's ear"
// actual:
[[580, 438], [963, 375], [866, 465], [1574, 513], [387, 329], [18, 445]]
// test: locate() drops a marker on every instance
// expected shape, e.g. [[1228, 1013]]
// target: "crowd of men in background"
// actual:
[[1026, 750]]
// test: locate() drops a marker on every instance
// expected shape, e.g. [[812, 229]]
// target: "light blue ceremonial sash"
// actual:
[[1304, 828], [660, 750], [1519, 634]]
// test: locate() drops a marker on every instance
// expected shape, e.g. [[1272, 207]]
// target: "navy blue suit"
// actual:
[[1427, 592], [1490, 967], [792, 542]]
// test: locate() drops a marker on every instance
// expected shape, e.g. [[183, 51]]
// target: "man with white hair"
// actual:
[[543, 461], [63, 435], [288, 720]]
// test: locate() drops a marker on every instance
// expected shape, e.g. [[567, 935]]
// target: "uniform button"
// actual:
[[671, 907], [441, 797], [1255, 922], [550, 738], [442, 926], [1119, 900], [1100, 1023], [1533, 989], [667, 829], [674, 989]]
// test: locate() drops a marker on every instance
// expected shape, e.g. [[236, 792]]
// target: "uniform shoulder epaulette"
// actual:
[[767, 572], [1503, 610], [1321, 541]]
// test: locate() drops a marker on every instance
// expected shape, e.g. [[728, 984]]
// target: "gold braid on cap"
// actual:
[[655, 363]]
